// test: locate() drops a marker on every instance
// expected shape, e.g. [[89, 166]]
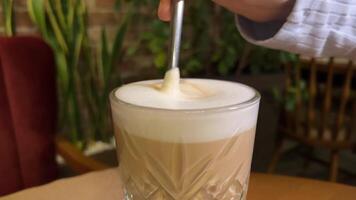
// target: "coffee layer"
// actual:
[[159, 170]]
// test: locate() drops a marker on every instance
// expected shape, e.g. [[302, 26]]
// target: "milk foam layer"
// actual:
[[188, 94], [188, 115]]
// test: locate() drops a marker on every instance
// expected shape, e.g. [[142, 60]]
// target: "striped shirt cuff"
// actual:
[[313, 28]]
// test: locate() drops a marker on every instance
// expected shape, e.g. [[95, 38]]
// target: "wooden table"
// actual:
[[105, 185]]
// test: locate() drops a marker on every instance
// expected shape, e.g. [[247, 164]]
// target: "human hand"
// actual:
[[255, 10]]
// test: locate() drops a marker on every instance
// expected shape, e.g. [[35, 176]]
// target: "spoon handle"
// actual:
[[176, 31]]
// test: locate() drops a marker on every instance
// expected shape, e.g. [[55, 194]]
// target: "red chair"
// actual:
[[28, 117], [27, 114]]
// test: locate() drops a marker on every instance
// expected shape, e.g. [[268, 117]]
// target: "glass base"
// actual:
[[201, 196]]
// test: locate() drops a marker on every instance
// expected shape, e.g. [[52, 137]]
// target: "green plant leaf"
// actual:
[[78, 44], [70, 17], [277, 94], [160, 61], [8, 7], [290, 104], [104, 55], [117, 46], [60, 15], [56, 28], [131, 50], [62, 72], [36, 10]]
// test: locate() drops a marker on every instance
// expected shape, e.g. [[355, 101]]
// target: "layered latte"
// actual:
[[185, 139]]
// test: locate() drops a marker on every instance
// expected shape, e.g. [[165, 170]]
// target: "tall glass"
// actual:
[[185, 154]]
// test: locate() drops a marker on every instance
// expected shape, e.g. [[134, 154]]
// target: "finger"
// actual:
[[164, 10]]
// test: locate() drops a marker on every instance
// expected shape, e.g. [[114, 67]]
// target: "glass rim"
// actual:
[[237, 106]]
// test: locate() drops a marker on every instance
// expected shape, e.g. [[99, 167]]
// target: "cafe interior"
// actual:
[[59, 61]]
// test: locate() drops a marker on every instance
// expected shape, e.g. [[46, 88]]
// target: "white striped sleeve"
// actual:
[[313, 28]]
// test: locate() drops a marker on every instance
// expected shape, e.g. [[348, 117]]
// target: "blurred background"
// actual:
[[98, 45]]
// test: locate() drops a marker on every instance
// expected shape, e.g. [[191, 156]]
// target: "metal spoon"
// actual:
[[176, 31]]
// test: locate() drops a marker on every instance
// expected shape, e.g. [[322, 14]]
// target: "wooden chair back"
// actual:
[[324, 106]]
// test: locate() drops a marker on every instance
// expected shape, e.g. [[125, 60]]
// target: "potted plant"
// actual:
[[85, 74]]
